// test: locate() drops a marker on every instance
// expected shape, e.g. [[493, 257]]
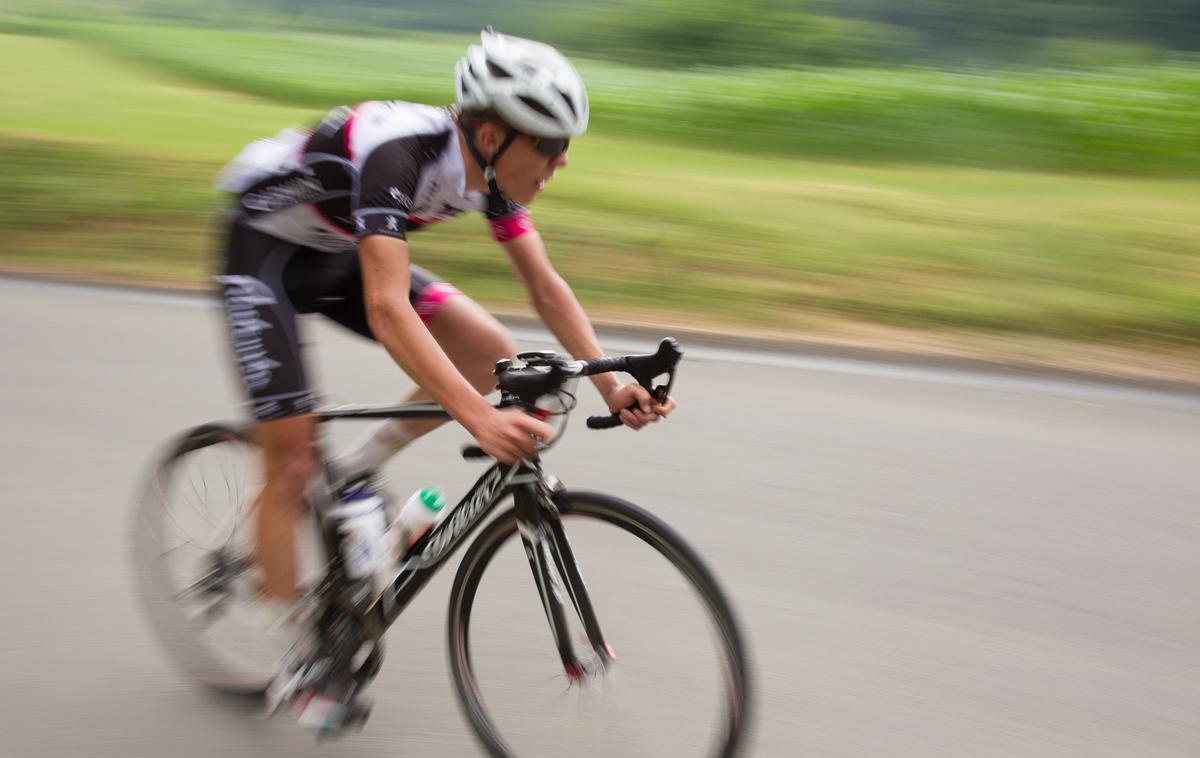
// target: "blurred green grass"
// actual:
[[1131, 119], [106, 157]]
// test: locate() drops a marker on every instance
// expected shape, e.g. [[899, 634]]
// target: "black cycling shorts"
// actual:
[[267, 283]]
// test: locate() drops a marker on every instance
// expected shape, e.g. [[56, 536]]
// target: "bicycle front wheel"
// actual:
[[676, 683]]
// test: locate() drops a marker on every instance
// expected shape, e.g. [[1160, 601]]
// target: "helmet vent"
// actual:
[[497, 71], [535, 105], [567, 100]]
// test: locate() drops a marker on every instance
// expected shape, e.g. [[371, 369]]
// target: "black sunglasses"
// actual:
[[551, 147]]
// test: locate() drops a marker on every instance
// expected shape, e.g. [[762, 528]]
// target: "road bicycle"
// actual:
[[191, 586]]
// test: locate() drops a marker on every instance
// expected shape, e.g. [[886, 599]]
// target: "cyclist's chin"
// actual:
[[525, 192], [526, 196]]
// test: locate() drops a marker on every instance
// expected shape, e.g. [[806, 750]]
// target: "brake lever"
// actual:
[[645, 374], [659, 393]]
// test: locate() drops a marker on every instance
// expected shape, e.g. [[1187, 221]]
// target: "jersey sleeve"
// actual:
[[507, 219], [387, 185]]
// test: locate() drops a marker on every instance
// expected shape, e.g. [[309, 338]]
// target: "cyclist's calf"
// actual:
[[289, 457], [289, 460]]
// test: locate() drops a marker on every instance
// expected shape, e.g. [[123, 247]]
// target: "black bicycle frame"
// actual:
[[546, 545], [424, 558]]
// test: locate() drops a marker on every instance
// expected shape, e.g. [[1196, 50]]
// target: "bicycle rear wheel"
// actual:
[[192, 546], [679, 683]]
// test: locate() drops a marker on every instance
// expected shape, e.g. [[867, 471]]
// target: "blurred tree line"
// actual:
[[767, 32]]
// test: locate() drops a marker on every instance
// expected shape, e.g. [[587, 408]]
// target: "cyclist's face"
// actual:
[[522, 172]]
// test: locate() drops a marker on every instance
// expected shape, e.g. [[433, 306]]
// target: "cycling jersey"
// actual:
[[377, 168], [381, 167]]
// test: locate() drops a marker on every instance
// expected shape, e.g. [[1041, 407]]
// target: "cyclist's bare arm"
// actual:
[[560, 310], [505, 436]]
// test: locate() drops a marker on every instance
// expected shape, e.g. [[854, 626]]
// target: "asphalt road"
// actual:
[[926, 563]]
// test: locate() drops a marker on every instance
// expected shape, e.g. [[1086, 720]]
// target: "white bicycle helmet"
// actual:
[[529, 84]]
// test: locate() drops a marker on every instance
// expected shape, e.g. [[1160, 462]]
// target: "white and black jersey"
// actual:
[[377, 168], [381, 167]]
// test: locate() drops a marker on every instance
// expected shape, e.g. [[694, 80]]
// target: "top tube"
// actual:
[[382, 410]]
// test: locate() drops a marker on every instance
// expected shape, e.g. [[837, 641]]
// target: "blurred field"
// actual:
[[1138, 120], [110, 136]]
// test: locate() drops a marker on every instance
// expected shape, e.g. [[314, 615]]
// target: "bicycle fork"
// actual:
[[556, 572]]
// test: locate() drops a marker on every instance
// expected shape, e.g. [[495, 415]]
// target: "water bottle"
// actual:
[[421, 511], [362, 523]]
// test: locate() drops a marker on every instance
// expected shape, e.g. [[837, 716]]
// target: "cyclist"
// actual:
[[320, 226]]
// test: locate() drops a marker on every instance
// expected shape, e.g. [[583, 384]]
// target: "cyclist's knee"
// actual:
[[291, 473], [495, 343], [491, 343]]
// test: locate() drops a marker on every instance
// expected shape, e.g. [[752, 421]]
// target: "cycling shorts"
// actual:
[[267, 283]]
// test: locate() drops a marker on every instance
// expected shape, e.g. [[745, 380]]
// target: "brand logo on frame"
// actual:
[[445, 536], [465, 515]]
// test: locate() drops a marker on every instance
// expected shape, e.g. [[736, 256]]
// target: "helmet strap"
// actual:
[[489, 167]]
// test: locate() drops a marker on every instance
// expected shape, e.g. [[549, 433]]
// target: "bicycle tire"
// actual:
[[647, 528], [179, 631]]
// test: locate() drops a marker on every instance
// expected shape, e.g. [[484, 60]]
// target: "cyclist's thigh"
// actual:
[[262, 324], [347, 305], [430, 296], [470, 336]]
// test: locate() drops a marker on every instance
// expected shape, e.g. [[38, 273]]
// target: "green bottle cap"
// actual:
[[433, 498]]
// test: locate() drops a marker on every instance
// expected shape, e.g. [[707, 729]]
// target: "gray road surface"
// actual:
[[926, 563]]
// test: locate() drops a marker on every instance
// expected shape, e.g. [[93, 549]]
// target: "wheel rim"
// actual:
[[664, 722]]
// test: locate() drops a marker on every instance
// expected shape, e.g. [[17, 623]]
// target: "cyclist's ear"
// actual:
[[488, 135]]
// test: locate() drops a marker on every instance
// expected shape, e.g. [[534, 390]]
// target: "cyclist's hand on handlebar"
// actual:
[[509, 435], [636, 406]]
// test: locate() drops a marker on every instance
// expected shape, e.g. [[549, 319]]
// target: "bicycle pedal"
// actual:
[[293, 689], [333, 720]]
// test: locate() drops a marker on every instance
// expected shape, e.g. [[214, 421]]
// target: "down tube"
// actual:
[[430, 552]]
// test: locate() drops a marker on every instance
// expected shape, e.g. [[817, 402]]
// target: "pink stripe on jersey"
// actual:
[[511, 227], [432, 298], [418, 221], [346, 132]]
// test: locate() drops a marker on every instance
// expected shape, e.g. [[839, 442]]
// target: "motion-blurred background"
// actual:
[[927, 563], [935, 175]]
